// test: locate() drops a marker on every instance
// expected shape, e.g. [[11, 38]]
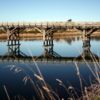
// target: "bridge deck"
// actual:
[[49, 24]]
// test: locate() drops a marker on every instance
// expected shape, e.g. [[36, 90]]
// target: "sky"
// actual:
[[49, 10]]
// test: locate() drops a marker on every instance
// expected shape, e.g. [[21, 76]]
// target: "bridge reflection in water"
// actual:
[[15, 54], [87, 54]]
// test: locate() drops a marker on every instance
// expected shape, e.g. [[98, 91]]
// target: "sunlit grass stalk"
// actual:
[[66, 89], [37, 91], [62, 84], [41, 93], [37, 67], [95, 65], [45, 87], [26, 79], [88, 65], [53, 92], [78, 73], [86, 94], [5, 89], [97, 61]]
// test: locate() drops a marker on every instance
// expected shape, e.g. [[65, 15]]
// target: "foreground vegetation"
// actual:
[[43, 90]]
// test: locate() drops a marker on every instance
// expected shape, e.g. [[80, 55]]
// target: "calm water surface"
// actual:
[[13, 79]]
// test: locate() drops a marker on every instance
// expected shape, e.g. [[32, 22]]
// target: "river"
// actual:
[[52, 77]]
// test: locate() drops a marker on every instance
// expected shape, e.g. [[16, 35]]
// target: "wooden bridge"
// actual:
[[47, 29]]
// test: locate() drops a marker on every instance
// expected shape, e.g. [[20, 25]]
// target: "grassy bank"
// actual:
[[57, 35]]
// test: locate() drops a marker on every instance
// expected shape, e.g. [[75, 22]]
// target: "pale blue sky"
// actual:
[[49, 10]]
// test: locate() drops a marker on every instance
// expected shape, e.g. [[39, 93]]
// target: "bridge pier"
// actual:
[[86, 47], [48, 42], [47, 34], [48, 37], [87, 31], [48, 51], [86, 53], [13, 40]]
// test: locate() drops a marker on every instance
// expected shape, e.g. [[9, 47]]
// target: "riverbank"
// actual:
[[58, 35]]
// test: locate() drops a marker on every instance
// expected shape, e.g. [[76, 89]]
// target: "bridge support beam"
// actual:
[[47, 37], [48, 51], [86, 47], [86, 53], [13, 40], [87, 31], [48, 42]]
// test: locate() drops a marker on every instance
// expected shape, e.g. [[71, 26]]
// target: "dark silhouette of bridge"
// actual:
[[87, 53]]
